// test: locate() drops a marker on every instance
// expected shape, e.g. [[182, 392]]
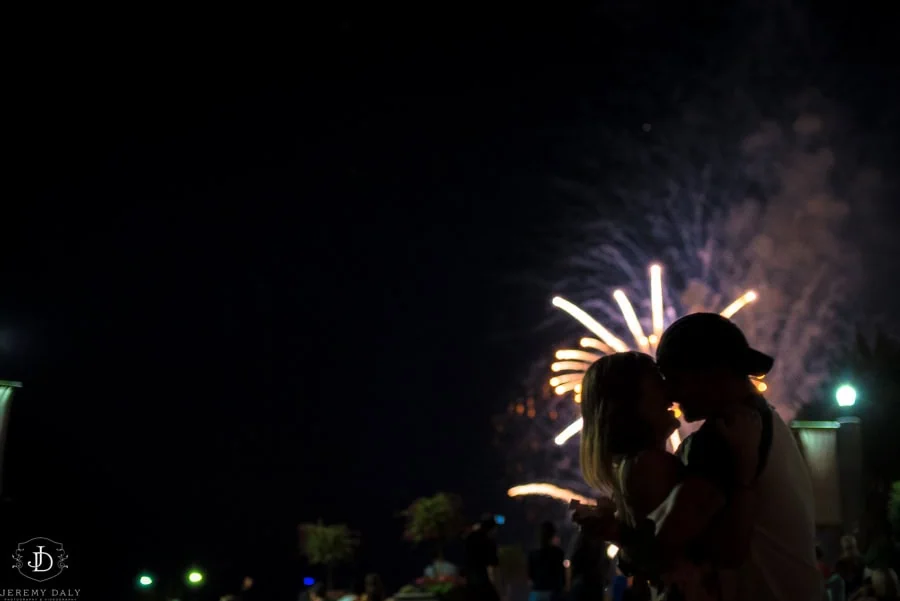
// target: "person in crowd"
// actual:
[[881, 586], [373, 589], [882, 551], [481, 561], [316, 592], [546, 569], [589, 568], [619, 587], [752, 517], [248, 593], [821, 564], [850, 565]]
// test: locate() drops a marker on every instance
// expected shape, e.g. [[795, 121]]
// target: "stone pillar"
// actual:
[[818, 442], [850, 466]]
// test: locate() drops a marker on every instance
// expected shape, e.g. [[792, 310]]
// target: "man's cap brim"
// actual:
[[758, 364]]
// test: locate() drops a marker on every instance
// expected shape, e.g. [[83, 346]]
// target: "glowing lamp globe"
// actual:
[[845, 396], [145, 581], [195, 577]]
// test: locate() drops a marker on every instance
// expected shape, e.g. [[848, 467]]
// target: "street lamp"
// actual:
[[145, 580], [195, 577], [845, 395]]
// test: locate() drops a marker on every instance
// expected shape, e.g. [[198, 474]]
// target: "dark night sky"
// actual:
[[253, 284]]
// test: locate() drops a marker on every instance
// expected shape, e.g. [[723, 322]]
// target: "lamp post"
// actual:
[[850, 461]]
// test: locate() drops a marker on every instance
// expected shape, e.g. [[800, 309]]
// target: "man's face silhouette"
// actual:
[[693, 390]]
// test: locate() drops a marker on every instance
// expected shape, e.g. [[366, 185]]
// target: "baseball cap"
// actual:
[[708, 340]]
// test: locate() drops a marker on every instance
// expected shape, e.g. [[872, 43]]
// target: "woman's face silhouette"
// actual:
[[653, 407]]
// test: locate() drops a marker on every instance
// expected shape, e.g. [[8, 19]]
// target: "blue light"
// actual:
[[307, 581], [499, 520]]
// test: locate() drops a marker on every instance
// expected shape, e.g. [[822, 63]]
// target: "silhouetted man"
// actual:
[[481, 559]]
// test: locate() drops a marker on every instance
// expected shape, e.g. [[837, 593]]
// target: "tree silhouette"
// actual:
[[436, 519], [327, 545]]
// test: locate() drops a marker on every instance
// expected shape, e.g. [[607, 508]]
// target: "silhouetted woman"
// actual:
[[850, 566]]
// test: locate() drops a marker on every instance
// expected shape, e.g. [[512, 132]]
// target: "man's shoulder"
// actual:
[[706, 439]]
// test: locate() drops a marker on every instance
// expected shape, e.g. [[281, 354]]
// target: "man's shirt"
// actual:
[[782, 562]]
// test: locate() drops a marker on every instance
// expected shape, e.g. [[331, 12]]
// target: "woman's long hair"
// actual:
[[610, 392]]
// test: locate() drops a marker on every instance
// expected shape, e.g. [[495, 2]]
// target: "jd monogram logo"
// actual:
[[40, 559]]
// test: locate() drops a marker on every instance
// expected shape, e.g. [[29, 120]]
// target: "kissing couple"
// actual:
[[729, 516]]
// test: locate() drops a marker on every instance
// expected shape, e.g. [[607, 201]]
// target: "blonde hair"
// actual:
[[612, 428]]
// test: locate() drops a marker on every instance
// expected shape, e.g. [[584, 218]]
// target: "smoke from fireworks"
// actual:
[[763, 214]]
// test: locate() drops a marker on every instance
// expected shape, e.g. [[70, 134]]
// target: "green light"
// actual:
[[195, 577], [145, 580], [845, 396]]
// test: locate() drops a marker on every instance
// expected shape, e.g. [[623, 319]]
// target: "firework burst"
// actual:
[[573, 363]]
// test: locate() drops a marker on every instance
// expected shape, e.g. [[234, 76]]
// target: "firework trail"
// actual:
[[524, 434]]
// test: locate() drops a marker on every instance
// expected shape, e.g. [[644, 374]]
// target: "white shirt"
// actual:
[[782, 562]]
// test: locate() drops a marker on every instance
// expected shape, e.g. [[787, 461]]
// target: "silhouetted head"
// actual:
[[625, 410], [706, 362], [849, 547], [488, 525], [546, 534]]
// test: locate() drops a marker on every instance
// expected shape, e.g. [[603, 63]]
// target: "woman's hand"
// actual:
[[597, 521], [742, 429]]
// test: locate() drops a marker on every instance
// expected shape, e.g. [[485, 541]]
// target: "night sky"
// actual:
[[253, 280]]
